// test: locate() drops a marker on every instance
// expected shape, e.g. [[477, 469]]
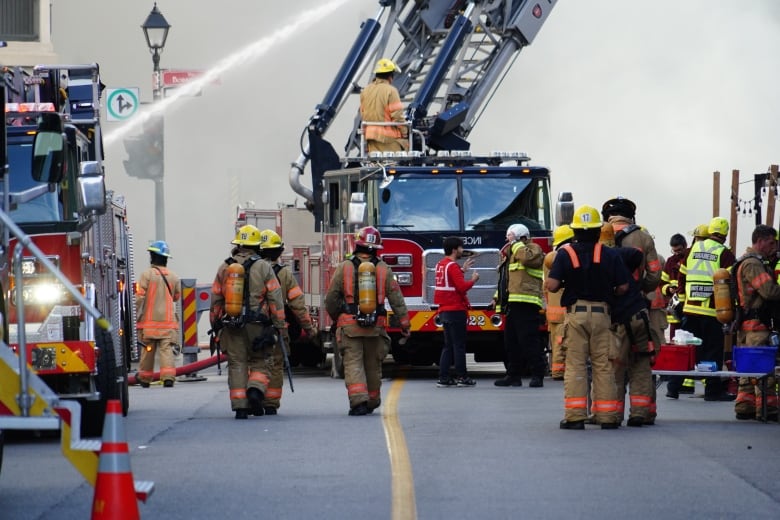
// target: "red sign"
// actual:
[[176, 78]]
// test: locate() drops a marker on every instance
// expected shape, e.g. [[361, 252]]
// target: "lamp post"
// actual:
[[156, 29]]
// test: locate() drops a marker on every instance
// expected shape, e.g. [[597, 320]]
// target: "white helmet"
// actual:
[[519, 231]]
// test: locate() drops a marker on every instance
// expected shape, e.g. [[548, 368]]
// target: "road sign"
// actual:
[[176, 78], [122, 103]]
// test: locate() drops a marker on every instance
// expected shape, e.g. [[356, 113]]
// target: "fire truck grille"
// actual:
[[485, 263]]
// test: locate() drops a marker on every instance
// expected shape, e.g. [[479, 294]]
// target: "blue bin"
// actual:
[[755, 359]]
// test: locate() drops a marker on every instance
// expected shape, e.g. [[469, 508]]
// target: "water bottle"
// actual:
[[774, 339]]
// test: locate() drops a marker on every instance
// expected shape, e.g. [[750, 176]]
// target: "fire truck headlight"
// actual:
[[46, 293], [403, 278]]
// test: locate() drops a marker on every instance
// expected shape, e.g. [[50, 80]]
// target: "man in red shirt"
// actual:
[[450, 296]]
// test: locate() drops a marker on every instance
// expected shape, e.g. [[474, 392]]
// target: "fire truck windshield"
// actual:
[[488, 203], [41, 207]]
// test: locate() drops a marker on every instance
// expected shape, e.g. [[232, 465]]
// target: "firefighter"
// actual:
[[555, 312], [519, 298], [695, 283], [621, 213], [247, 307], [380, 102], [669, 278], [271, 248], [631, 323], [756, 287], [590, 276], [158, 326], [361, 319]]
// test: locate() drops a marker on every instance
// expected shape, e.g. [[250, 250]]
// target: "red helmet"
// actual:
[[368, 237]]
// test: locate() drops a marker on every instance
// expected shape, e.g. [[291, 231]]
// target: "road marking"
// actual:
[[404, 502]]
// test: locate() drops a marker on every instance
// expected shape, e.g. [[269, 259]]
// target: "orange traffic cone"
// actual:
[[114, 488]]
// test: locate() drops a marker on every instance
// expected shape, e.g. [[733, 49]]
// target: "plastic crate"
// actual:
[[675, 357], [755, 359]]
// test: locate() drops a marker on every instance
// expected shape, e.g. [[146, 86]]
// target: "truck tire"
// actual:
[[110, 385]]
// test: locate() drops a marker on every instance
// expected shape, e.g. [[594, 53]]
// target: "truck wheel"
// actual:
[[107, 383], [337, 365]]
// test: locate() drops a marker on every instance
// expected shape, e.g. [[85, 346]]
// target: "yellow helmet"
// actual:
[[561, 234], [247, 235], [701, 231], [270, 239], [586, 217], [719, 225], [607, 236], [385, 65]]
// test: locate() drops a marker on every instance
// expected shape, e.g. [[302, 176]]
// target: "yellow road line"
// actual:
[[404, 502]]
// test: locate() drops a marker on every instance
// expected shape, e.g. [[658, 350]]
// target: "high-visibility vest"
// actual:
[[699, 268], [538, 274]]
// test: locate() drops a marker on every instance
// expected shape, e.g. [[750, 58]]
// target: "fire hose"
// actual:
[[185, 369]]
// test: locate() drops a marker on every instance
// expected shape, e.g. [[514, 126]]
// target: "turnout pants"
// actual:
[[248, 367], [273, 396], [632, 369], [587, 335], [363, 356], [167, 361], [558, 358], [522, 340]]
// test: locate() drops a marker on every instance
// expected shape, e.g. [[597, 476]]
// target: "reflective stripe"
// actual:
[[575, 403], [357, 388], [258, 376], [604, 406], [640, 400], [238, 393], [753, 326], [555, 314], [273, 393], [294, 293]]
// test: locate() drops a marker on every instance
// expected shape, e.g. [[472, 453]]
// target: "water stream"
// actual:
[[251, 52]]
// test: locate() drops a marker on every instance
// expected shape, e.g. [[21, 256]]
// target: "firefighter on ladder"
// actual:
[[271, 248], [247, 308], [355, 302], [158, 326], [380, 102]]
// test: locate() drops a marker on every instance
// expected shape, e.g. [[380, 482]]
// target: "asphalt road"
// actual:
[[472, 452]]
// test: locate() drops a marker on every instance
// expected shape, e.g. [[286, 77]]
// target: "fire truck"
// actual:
[[452, 55], [66, 267]]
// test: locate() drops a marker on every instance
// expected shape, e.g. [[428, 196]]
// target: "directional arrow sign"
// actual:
[[122, 103]]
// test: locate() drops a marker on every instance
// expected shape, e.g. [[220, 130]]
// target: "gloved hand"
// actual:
[[285, 335]]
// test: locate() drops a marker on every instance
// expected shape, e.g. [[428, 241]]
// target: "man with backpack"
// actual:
[[271, 248], [248, 337], [355, 301], [756, 287]]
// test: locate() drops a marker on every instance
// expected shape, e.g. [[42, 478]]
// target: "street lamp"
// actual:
[[156, 29]]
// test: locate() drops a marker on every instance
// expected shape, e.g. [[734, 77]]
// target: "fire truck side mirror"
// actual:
[[357, 209], [91, 189], [48, 149]]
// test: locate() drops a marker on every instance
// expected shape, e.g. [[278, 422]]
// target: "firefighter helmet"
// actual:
[[718, 225], [701, 231], [160, 247], [270, 239], [519, 231], [561, 234], [385, 65], [247, 235], [618, 206], [368, 237], [586, 217]]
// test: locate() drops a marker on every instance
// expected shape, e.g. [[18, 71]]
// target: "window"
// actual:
[[420, 204], [19, 20], [495, 203]]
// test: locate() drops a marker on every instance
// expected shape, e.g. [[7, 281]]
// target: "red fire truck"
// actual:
[[62, 229], [452, 56]]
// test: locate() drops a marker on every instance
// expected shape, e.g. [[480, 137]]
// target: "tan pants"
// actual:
[[633, 369], [273, 396], [587, 335], [558, 357], [247, 368], [167, 360], [363, 356]]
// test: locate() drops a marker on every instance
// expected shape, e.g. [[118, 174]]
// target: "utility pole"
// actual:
[[771, 194], [733, 217]]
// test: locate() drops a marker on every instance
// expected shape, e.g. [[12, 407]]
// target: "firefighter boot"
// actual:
[[255, 397], [361, 409], [242, 413], [508, 381]]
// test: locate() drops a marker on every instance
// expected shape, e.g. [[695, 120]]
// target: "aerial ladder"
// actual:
[[453, 55]]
